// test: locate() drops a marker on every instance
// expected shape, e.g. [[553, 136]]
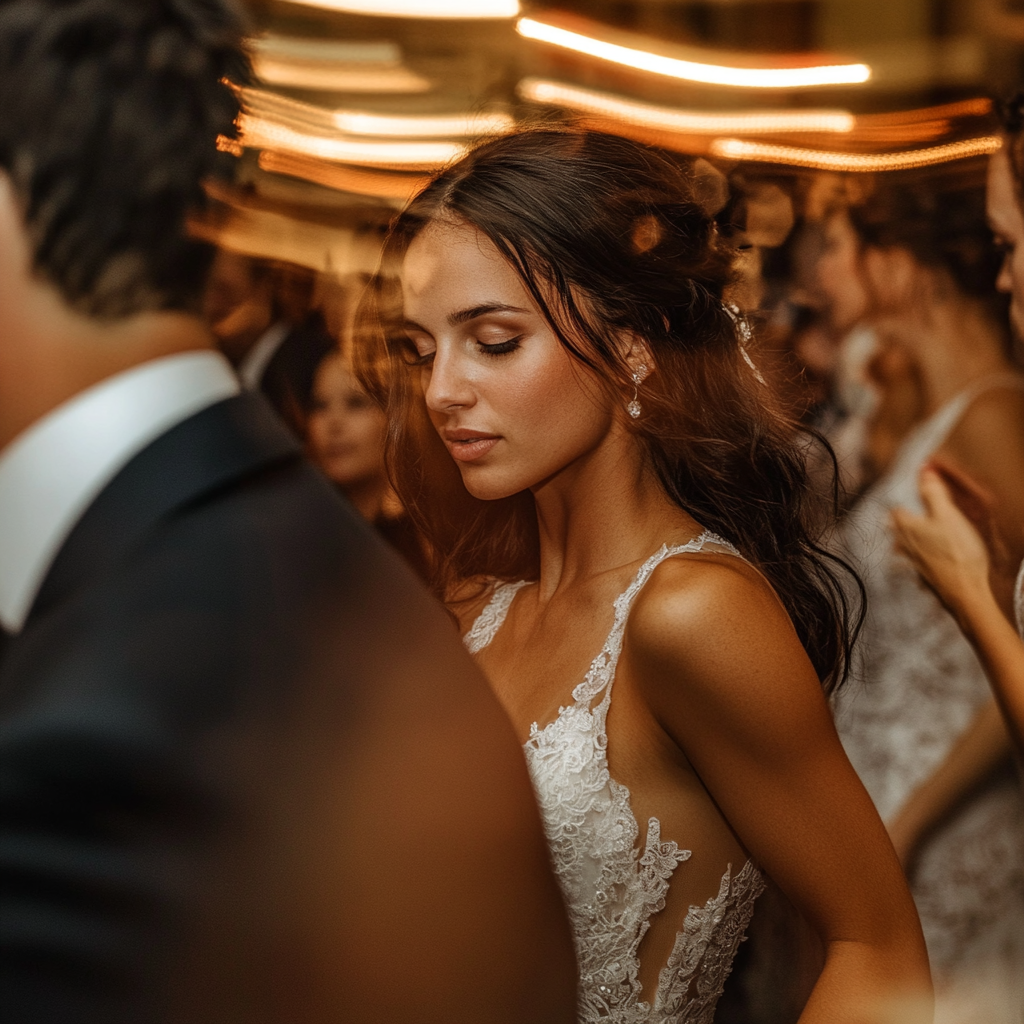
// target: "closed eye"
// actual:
[[501, 348]]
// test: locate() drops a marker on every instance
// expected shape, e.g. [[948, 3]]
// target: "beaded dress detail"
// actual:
[[612, 887]]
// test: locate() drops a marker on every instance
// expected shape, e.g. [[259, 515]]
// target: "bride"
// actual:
[[617, 517]]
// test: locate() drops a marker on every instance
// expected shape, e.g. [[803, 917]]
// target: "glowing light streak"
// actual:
[[378, 184], [420, 8], [977, 107], [738, 149], [691, 122], [295, 114], [260, 133], [330, 77], [692, 71], [336, 51]]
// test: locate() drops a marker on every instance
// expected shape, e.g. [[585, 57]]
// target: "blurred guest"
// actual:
[[946, 547], [829, 339], [919, 724], [952, 556], [345, 431], [247, 772], [262, 316]]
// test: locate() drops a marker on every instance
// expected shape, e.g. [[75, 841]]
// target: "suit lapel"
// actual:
[[216, 447]]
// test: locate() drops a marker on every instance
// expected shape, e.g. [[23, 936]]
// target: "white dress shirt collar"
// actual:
[[53, 471]]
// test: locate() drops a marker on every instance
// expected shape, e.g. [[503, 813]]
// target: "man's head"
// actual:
[[108, 127]]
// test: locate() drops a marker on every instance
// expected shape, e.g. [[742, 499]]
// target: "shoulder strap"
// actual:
[[943, 422], [602, 670], [490, 620]]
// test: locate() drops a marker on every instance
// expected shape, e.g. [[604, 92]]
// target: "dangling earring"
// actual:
[[634, 408]]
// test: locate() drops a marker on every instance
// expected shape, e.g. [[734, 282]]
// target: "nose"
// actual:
[[448, 388]]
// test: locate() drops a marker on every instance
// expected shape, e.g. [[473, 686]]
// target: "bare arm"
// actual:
[[950, 555], [976, 754], [725, 674]]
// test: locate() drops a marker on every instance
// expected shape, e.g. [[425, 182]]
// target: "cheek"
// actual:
[[317, 428], [549, 414]]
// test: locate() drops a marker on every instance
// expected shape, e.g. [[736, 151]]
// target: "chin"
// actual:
[[489, 484]]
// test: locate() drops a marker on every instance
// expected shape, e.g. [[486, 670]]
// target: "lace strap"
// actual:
[[601, 674], [490, 620]]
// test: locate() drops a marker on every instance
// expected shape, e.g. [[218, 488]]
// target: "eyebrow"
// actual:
[[465, 315]]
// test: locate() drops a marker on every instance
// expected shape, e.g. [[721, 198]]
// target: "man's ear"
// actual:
[[15, 251]]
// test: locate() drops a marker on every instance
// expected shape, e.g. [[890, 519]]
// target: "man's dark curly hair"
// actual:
[[109, 116]]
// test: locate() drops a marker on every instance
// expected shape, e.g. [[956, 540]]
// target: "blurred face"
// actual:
[[1007, 223], [510, 403], [346, 427], [840, 293]]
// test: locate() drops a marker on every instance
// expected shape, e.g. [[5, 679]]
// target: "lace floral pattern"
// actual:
[[611, 888], [916, 687]]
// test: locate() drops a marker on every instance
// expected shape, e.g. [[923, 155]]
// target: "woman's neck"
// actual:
[[604, 511], [955, 344]]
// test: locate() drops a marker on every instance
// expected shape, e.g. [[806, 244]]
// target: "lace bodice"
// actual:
[[612, 888]]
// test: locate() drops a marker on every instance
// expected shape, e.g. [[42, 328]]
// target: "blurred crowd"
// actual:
[[880, 307]]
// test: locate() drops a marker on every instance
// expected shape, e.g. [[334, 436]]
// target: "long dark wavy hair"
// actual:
[[610, 236]]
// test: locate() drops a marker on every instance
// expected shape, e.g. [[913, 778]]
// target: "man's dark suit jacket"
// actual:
[[216, 621]]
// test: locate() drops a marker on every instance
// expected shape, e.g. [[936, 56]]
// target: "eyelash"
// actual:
[[501, 348]]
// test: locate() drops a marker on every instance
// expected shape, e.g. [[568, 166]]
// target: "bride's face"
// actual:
[[510, 403]]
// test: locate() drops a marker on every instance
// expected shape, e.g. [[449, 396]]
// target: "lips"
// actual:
[[469, 445]]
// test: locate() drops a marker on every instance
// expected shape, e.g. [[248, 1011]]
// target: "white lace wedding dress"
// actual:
[[916, 687], [611, 887]]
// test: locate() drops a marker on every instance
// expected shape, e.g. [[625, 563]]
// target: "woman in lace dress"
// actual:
[[615, 509], [918, 718], [950, 554]]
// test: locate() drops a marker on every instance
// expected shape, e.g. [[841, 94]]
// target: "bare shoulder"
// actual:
[[995, 417], [709, 627]]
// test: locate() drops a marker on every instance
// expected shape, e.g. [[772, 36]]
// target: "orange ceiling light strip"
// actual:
[[378, 184], [692, 71], [589, 101], [304, 116], [420, 8], [261, 133], [794, 156], [978, 107]]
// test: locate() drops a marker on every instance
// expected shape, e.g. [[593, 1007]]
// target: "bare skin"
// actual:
[[952, 557], [718, 726]]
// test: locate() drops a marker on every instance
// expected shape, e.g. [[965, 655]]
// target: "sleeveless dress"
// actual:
[[916, 686], [611, 887]]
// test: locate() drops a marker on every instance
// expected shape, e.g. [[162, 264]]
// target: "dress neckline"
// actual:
[[600, 676], [615, 880]]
